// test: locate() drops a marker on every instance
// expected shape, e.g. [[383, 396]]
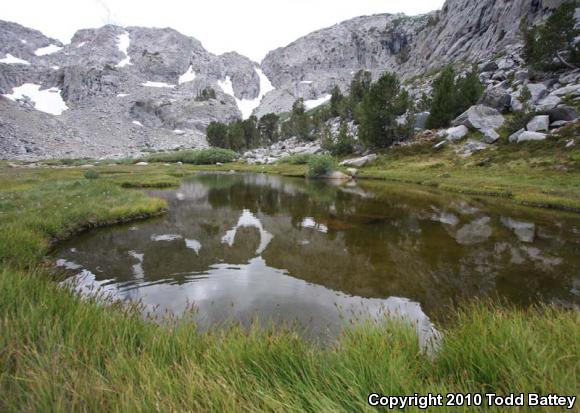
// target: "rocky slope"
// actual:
[[117, 91], [114, 91], [464, 31]]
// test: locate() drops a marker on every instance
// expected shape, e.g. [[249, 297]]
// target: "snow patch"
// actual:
[[123, 42], [47, 100], [81, 44], [311, 104], [193, 244], [136, 122], [122, 95], [306, 82], [50, 49], [247, 106], [158, 84], [249, 220], [309, 222], [165, 237], [11, 60], [187, 76], [55, 67], [23, 41]]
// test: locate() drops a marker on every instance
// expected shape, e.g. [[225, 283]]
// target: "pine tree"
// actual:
[[217, 135], [443, 103], [336, 102]]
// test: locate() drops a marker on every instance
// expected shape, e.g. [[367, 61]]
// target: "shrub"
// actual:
[[343, 145], [196, 157], [297, 159], [320, 165], [552, 45], [90, 174]]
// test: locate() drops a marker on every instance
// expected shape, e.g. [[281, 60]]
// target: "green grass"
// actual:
[[64, 353], [196, 157], [61, 352]]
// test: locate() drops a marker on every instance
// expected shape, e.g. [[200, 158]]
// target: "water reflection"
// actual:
[[285, 250]]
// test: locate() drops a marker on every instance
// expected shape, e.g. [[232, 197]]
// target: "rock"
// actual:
[[516, 135], [141, 164], [219, 164], [352, 172], [525, 231], [522, 75], [456, 133], [573, 90], [547, 103], [474, 233], [490, 136], [539, 123], [488, 67], [570, 143], [472, 146], [505, 64], [421, 120], [337, 176], [566, 113], [537, 90], [531, 136], [497, 98], [481, 118], [516, 105], [441, 144], [359, 162], [558, 124]]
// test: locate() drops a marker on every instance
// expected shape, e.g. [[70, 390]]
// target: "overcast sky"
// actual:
[[250, 27]]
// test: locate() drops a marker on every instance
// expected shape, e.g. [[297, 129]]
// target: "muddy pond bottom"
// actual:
[[315, 256]]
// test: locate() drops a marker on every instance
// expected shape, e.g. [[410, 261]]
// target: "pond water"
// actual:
[[240, 247]]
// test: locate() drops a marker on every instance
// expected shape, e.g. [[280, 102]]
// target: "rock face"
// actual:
[[114, 91], [463, 30]]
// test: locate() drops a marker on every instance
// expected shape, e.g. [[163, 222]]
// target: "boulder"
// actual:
[[516, 135], [480, 117], [337, 176], [549, 102], [352, 171], [522, 75], [537, 90], [558, 124], [456, 133], [497, 98], [488, 67], [516, 105], [539, 123], [490, 136], [573, 90], [359, 162], [421, 120], [567, 113], [531, 136], [472, 146]]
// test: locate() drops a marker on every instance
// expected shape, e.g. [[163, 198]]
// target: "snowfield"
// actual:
[[11, 60], [50, 49], [123, 42], [47, 100], [158, 84], [247, 106], [188, 76], [311, 104]]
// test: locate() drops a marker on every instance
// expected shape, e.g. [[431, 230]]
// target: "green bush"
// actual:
[[343, 145], [320, 165], [196, 157], [90, 174], [297, 159]]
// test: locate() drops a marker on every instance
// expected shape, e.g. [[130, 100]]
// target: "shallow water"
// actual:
[[245, 246]]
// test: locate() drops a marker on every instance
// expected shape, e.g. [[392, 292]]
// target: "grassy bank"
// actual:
[[59, 352]]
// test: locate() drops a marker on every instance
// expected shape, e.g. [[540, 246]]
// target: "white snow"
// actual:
[[55, 67], [178, 131], [311, 104], [23, 41], [166, 237], [81, 44], [158, 84], [309, 222], [122, 95], [247, 106], [50, 49], [187, 76], [306, 82], [11, 60], [136, 122], [123, 42], [193, 245], [47, 100]]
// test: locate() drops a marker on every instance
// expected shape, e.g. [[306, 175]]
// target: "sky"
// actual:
[[249, 27]]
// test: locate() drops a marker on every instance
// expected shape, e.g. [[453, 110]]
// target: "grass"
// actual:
[[196, 157], [63, 352]]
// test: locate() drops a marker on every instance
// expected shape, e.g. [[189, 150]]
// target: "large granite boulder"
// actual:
[[480, 117]]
